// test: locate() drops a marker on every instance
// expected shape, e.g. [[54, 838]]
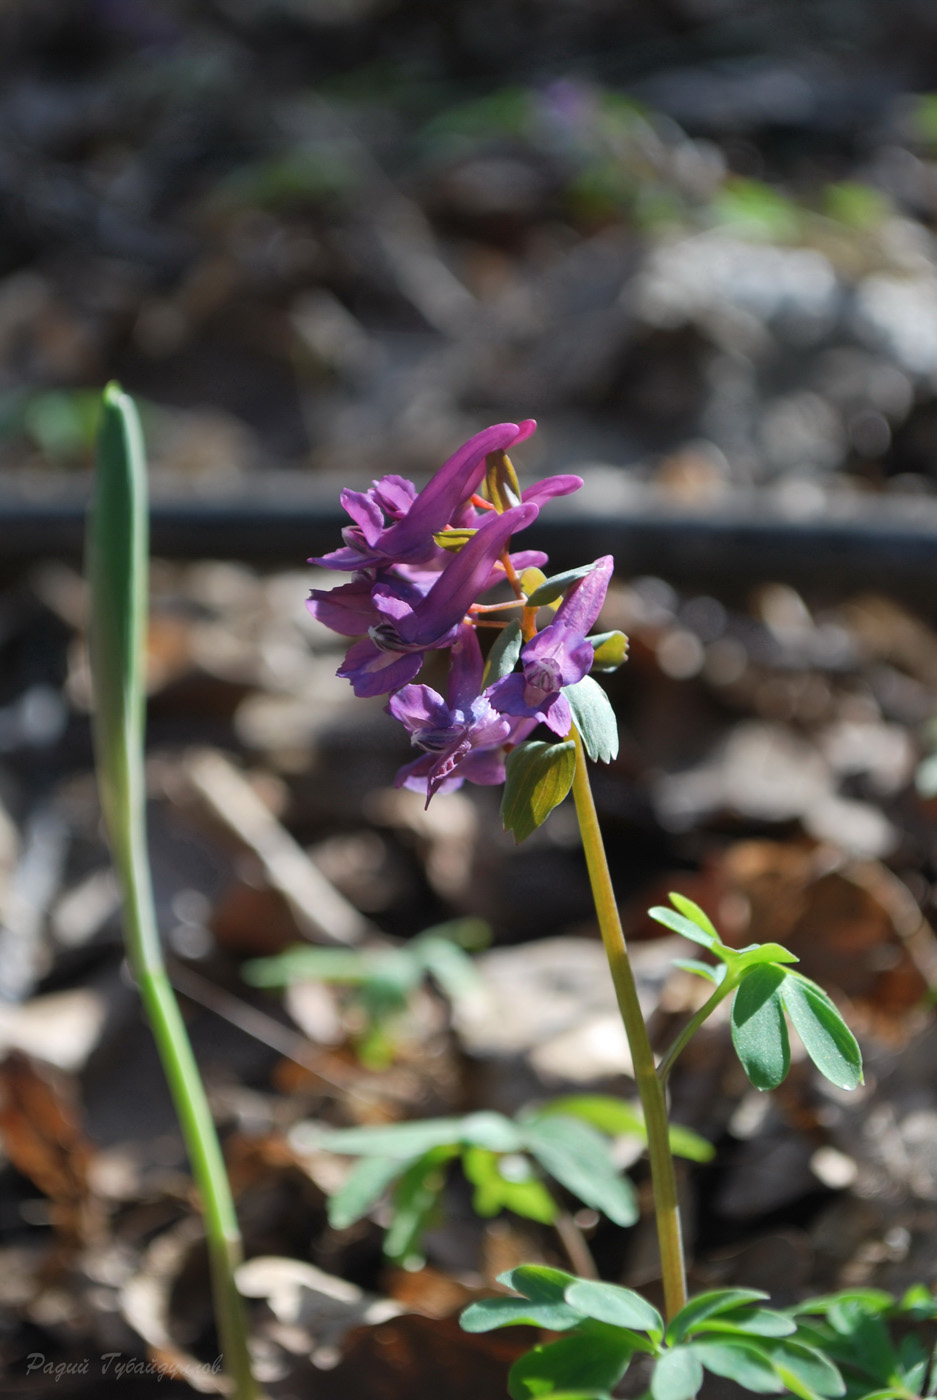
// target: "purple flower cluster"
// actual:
[[419, 564]]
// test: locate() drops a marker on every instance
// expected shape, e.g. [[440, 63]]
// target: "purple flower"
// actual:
[[416, 518], [558, 656], [460, 739], [392, 652]]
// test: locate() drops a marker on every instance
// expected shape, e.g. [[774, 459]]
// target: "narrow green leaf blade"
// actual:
[[555, 587], [539, 1282], [679, 923], [619, 1307], [578, 1158], [117, 555], [691, 910], [539, 775], [763, 953], [364, 1185], [595, 719], [398, 1140], [415, 1200], [678, 1375], [759, 1031], [502, 658], [827, 1039]]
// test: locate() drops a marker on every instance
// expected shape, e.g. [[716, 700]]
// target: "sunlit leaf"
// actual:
[[595, 1357], [555, 587], [679, 923], [715, 1301], [759, 1031], [827, 1039], [678, 1375], [504, 653], [619, 1307], [594, 718], [739, 1362], [579, 1159], [539, 775], [806, 1371]]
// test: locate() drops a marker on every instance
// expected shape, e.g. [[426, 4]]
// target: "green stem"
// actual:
[[118, 556], [223, 1237], [727, 985], [650, 1089]]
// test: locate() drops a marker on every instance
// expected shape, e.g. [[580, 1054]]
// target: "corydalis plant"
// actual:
[[424, 566]]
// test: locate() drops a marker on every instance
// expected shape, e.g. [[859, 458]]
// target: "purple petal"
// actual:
[[453, 483], [347, 609], [583, 603], [419, 707], [395, 495], [460, 583], [549, 487], [365, 512], [376, 672], [466, 668]]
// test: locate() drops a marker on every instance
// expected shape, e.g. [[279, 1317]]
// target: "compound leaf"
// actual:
[[759, 1031]]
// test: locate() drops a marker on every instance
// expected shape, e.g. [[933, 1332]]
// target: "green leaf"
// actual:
[[364, 1185], [712, 1303], [694, 913], [679, 923], [449, 966], [827, 1039], [539, 775], [619, 1307], [755, 1322], [542, 1304], [609, 1115], [399, 1140], [538, 1282], [555, 587], [524, 1195], [596, 1357], [617, 1118], [491, 1130], [578, 1158], [415, 1200], [872, 1300], [806, 1371], [117, 569], [759, 1031], [303, 963], [740, 1362], [611, 651], [678, 1375], [490, 1313], [502, 658], [595, 719], [701, 969], [761, 953]]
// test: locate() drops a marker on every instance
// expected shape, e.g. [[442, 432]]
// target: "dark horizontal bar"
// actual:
[[836, 545]]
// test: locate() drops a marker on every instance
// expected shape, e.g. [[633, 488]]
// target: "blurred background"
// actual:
[[322, 240]]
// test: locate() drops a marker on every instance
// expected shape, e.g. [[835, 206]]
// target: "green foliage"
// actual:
[[595, 719], [556, 587], [539, 775], [381, 981], [767, 992], [504, 654], [841, 1345], [508, 1162]]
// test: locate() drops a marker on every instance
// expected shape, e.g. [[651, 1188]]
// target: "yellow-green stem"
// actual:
[[692, 1026], [650, 1088]]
